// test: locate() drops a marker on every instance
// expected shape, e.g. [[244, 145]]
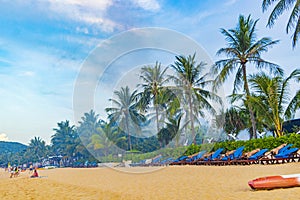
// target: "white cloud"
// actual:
[[3, 137], [27, 73], [230, 2], [5, 61], [151, 5], [91, 12]]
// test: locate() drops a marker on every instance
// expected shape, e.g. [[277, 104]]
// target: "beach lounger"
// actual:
[[193, 158], [283, 149], [270, 154], [166, 162], [230, 156], [178, 160], [138, 164], [288, 155], [212, 157], [254, 159], [155, 161]]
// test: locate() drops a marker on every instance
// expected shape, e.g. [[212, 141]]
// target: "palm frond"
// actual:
[[263, 64], [229, 37], [235, 97], [227, 66], [237, 81], [293, 106], [267, 3], [296, 32], [294, 17], [277, 11]]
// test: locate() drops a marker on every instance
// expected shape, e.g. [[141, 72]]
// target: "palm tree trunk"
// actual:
[[127, 130], [278, 128], [253, 122], [247, 90], [191, 116], [157, 122]]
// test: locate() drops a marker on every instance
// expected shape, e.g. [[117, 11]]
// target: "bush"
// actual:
[[262, 143], [268, 142]]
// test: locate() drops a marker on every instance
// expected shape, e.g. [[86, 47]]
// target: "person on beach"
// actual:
[[16, 171], [11, 171], [35, 174]]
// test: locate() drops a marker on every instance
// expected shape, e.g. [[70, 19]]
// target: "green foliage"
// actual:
[[243, 50], [11, 152], [262, 143], [12, 147], [192, 149], [191, 82], [166, 153]]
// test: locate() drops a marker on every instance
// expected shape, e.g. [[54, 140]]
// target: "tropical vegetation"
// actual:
[[242, 52], [173, 106]]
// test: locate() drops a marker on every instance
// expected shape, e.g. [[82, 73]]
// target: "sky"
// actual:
[[44, 45]]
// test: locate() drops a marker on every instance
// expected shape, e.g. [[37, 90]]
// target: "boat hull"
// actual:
[[273, 182]]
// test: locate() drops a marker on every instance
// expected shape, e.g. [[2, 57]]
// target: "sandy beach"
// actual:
[[176, 182]]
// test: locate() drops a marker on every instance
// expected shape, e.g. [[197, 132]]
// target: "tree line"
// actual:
[[174, 98]]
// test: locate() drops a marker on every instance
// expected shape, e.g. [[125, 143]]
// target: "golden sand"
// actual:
[[176, 182]]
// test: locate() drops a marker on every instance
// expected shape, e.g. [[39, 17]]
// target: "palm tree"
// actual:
[[236, 119], [171, 130], [272, 99], [191, 82], [99, 144], [37, 147], [112, 133], [153, 79], [88, 126], [125, 114], [64, 139], [107, 138], [243, 49], [280, 7]]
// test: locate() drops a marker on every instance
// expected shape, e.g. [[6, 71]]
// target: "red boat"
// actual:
[[273, 182]]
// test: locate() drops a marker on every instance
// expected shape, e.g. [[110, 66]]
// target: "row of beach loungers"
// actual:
[[282, 154]]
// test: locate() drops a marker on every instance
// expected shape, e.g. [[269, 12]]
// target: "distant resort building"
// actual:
[[291, 126]]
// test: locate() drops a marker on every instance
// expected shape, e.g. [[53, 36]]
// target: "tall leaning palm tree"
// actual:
[[243, 50], [153, 79], [280, 7], [272, 99], [191, 82], [125, 113]]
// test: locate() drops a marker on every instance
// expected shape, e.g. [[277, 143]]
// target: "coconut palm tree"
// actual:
[[153, 79], [191, 82], [171, 130], [236, 119], [88, 126], [64, 139], [37, 147], [280, 7], [272, 99], [243, 51], [125, 113], [108, 138]]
